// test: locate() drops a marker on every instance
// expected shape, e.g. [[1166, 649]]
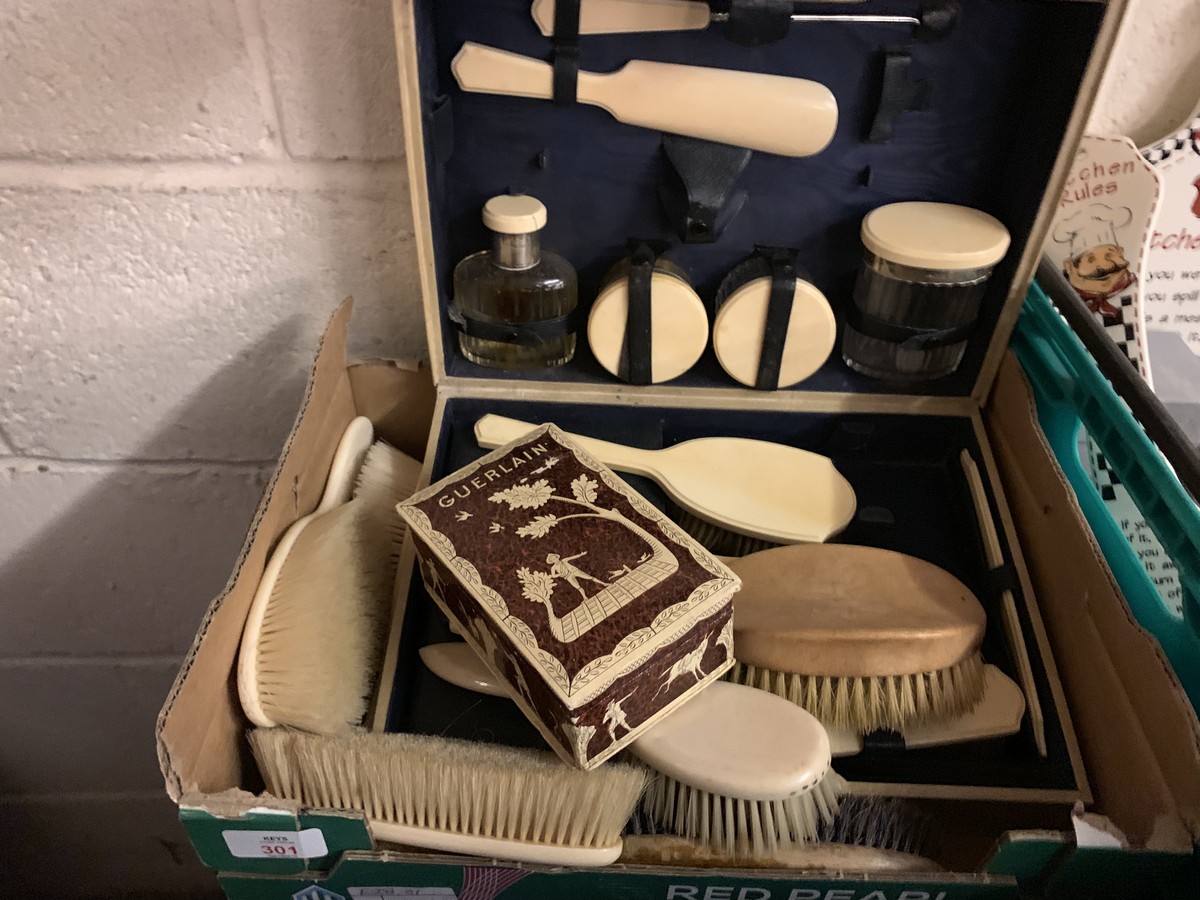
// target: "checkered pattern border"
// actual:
[[1103, 476], [1183, 138], [1123, 331]]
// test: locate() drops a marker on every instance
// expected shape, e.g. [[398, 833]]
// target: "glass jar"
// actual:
[[925, 271]]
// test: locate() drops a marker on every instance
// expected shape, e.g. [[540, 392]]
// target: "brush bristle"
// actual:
[[870, 703], [448, 785], [716, 539], [323, 624], [387, 477], [739, 827], [884, 823]]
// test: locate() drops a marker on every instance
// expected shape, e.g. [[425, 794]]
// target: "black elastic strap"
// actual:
[[897, 94], [522, 334], [779, 316], [566, 51], [907, 336], [1000, 579], [883, 739], [638, 345], [753, 23]]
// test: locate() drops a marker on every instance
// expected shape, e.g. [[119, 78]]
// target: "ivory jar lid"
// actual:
[[939, 236], [741, 322], [678, 326], [514, 214]]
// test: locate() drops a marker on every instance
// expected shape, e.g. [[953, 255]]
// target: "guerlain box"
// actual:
[[599, 612]]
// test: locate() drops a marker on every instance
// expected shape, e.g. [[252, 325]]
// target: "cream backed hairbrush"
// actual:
[[860, 637], [758, 489], [457, 796], [312, 639], [737, 769]]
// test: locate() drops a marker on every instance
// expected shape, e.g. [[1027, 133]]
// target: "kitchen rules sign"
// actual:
[[1100, 237]]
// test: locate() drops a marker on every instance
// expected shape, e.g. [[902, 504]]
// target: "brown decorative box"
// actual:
[[600, 612]]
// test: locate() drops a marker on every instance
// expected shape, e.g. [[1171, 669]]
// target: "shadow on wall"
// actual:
[[98, 607]]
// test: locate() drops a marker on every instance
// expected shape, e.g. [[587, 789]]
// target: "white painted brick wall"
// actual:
[[186, 190]]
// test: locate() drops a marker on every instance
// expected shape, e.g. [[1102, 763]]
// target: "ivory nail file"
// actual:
[[756, 488], [1008, 606], [771, 113]]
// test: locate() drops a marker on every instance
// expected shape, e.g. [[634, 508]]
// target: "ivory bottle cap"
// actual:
[[938, 236], [514, 214]]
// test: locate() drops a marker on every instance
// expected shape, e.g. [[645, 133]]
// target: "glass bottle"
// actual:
[[515, 283]]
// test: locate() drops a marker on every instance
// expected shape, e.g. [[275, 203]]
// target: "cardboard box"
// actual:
[[1122, 738], [1138, 735], [655, 603]]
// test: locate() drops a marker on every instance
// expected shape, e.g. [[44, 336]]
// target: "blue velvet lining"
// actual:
[[1005, 82]]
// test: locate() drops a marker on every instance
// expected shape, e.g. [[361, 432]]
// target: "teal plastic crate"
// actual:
[[1071, 393]]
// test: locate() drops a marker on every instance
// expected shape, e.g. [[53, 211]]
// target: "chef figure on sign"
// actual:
[[1095, 264]]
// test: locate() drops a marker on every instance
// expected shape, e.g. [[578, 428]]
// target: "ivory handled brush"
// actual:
[[737, 769], [313, 635], [760, 489], [771, 113], [456, 796]]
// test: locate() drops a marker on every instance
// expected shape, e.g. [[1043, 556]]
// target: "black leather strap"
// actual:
[[883, 739], [908, 336], [779, 315], [1000, 579], [523, 334], [565, 41], [753, 23], [638, 344], [897, 94], [702, 201]]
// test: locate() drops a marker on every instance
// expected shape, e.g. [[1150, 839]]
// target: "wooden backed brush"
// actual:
[[313, 636], [456, 796], [860, 637], [735, 768], [760, 490]]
